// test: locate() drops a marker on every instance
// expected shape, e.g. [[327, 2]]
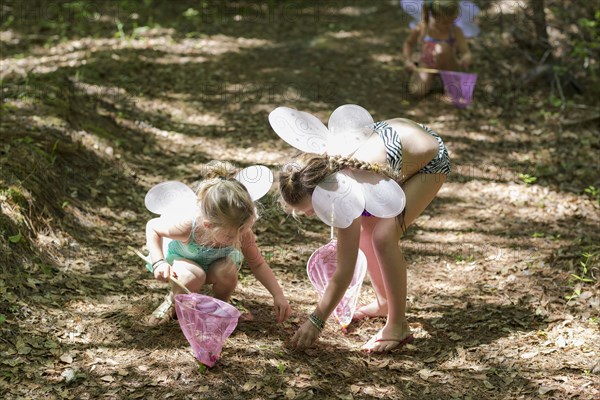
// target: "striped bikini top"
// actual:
[[451, 40]]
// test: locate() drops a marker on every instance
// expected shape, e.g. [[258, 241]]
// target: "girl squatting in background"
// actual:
[[440, 40], [204, 246]]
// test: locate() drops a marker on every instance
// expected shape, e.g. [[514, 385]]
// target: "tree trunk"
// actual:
[[539, 20]]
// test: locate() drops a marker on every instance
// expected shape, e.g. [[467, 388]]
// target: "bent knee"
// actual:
[[222, 270]]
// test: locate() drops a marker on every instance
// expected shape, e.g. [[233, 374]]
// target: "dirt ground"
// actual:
[[100, 101]]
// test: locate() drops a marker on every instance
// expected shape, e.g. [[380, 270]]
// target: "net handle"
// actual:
[[429, 70], [174, 280]]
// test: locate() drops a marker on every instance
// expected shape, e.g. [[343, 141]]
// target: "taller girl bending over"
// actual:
[[418, 160], [204, 246]]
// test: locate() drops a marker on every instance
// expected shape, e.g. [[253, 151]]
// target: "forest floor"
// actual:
[[100, 101]]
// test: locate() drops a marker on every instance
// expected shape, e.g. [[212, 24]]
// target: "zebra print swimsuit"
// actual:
[[393, 147]]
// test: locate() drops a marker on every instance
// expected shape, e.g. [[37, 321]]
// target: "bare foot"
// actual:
[[164, 313], [370, 310], [388, 339]]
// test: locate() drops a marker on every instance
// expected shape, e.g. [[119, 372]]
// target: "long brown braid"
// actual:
[[298, 179]]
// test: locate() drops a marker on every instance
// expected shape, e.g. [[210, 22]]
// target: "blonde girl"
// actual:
[[204, 248]]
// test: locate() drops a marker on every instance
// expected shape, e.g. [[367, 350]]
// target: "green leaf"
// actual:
[[2, 318], [15, 238]]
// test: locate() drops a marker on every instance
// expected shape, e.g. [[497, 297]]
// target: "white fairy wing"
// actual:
[[257, 179], [302, 130], [171, 198], [349, 126], [338, 200], [466, 18], [412, 8], [384, 198]]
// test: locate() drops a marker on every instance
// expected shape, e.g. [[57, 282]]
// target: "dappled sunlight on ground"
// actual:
[[94, 114]]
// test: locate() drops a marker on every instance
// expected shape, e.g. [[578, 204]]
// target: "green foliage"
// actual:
[[527, 179], [281, 368], [584, 270], [201, 368], [593, 192], [588, 43], [583, 277], [190, 13], [15, 238]]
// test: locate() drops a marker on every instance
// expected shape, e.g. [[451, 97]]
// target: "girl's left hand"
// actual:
[[305, 336], [465, 60], [282, 308]]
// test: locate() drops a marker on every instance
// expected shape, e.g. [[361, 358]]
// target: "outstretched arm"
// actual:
[[347, 253], [261, 270], [463, 48], [407, 48]]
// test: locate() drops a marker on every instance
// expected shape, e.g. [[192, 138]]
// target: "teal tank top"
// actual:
[[201, 255]]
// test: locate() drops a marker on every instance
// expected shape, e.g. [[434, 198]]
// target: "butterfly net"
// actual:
[[321, 266], [459, 87], [206, 323]]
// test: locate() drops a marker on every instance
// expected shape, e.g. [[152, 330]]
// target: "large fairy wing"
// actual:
[[300, 129], [257, 179], [171, 197], [349, 126], [338, 200], [412, 8], [384, 198], [466, 18]]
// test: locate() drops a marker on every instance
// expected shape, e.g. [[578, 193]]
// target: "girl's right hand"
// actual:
[[163, 272], [410, 66]]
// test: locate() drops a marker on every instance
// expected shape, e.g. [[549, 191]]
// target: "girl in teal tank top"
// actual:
[[208, 248]]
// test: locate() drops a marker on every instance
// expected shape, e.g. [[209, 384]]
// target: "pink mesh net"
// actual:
[[206, 322], [321, 266], [459, 87]]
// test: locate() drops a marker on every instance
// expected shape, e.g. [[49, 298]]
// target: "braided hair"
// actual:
[[299, 179]]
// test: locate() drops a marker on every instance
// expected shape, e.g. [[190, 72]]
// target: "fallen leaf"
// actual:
[[290, 394], [68, 374], [107, 378], [545, 389], [67, 359], [530, 354], [425, 374]]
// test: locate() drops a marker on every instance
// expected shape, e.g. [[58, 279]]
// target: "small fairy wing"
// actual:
[[171, 197], [466, 18], [257, 179], [338, 200], [349, 126], [384, 198], [302, 130], [412, 8]]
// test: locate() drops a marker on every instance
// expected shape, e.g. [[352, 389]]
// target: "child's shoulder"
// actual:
[[458, 32]]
